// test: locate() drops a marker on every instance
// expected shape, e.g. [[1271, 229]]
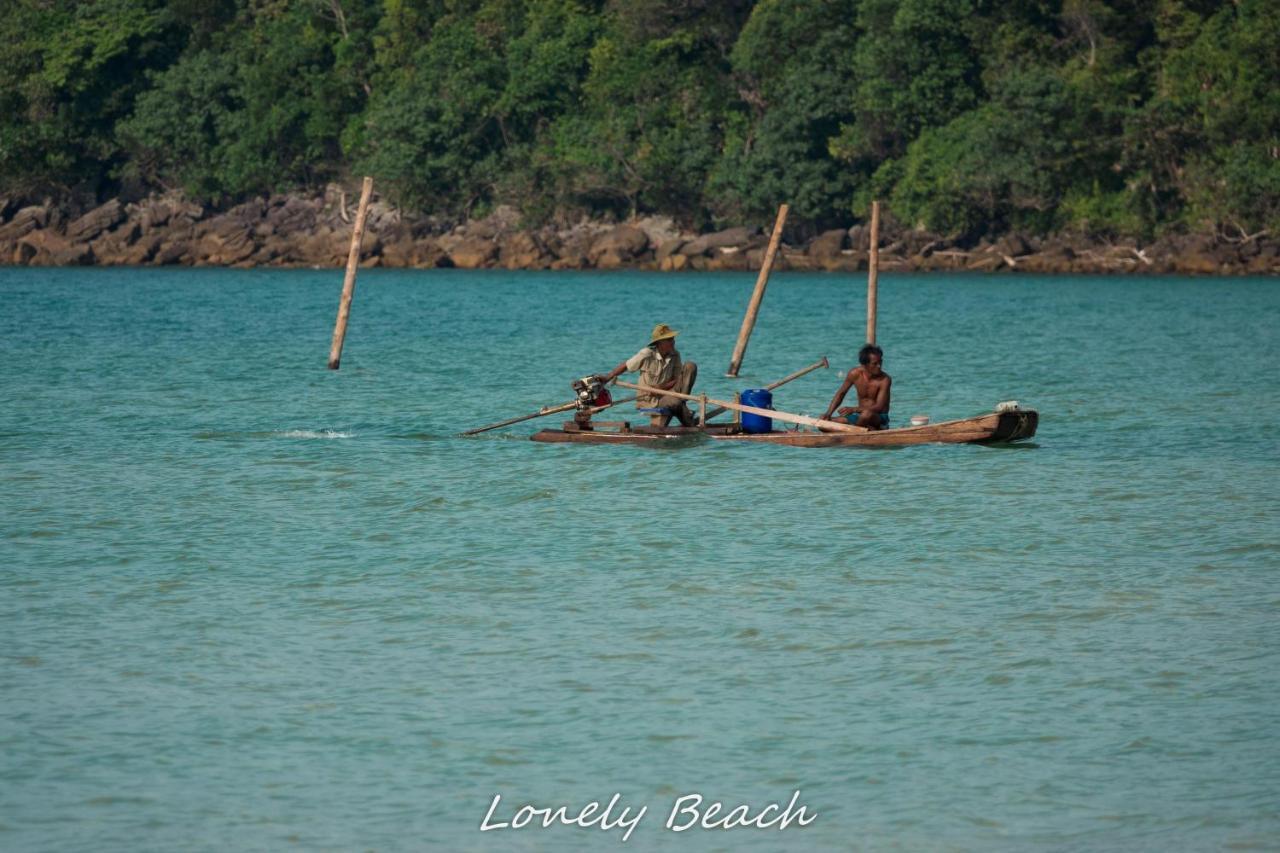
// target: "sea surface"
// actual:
[[248, 603]]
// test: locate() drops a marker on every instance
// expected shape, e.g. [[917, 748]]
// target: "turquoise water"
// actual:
[[249, 603]]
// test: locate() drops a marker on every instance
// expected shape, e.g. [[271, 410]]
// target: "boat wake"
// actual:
[[276, 433]]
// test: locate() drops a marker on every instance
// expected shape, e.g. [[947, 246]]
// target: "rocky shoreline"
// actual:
[[315, 232]]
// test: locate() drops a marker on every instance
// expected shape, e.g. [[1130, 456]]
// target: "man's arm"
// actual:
[[835, 401], [613, 374], [631, 365]]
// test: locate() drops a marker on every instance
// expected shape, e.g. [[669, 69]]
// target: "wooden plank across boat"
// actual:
[[991, 428]]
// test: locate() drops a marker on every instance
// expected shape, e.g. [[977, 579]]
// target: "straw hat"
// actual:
[[661, 332]]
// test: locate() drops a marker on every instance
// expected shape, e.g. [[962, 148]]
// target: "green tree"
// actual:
[[793, 69], [1205, 149], [72, 70], [917, 68], [263, 109], [649, 127]]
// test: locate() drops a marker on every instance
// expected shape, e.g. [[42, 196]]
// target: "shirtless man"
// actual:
[[873, 386]]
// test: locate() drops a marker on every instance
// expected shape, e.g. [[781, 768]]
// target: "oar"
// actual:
[[833, 426], [823, 363], [543, 412]]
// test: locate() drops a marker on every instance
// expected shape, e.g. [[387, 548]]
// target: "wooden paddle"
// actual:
[[831, 426], [543, 412], [823, 363]]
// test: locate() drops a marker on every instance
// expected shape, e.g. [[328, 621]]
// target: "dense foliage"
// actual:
[[968, 116]]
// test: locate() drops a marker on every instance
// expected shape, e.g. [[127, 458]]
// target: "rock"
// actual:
[[172, 253], [673, 263], [668, 249], [72, 255], [986, 262], [183, 215], [23, 253], [142, 251], [828, 245], [291, 215], [659, 229], [852, 262], [576, 243], [404, 251], [473, 253], [795, 260], [1198, 263], [618, 247], [921, 242], [860, 238], [381, 217], [728, 260], [111, 248], [46, 248], [731, 237], [246, 215], [96, 221], [1041, 262], [219, 250], [127, 234], [523, 251], [270, 248], [323, 247], [504, 220], [624, 242], [570, 261], [397, 251], [1014, 245], [155, 214], [25, 221], [428, 255], [39, 246]]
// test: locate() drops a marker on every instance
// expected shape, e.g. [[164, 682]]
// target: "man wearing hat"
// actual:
[[660, 367]]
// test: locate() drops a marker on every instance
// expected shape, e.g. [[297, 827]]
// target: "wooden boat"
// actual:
[[991, 428]]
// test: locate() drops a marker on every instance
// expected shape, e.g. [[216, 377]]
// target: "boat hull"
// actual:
[[994, 427]]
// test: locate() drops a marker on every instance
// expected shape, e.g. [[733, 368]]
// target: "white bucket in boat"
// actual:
[[919, 420]]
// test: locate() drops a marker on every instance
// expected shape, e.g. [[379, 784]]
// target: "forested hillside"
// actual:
[[969, 117]]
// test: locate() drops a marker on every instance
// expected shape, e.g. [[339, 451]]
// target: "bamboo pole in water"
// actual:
[[873, 271], [757, 296], [349, 283]]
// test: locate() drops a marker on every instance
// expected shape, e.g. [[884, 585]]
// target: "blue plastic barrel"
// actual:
[[761, 399]]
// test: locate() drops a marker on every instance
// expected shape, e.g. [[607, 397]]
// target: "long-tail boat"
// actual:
[[1007, 423], [991, 428]]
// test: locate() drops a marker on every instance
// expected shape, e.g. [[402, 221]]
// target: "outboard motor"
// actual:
[[591, 393]]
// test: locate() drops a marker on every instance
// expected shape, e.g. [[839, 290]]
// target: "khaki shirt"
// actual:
[[655, 371]]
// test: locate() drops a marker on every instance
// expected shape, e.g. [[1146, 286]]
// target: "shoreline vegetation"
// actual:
[[1063, 136], [315, 232]]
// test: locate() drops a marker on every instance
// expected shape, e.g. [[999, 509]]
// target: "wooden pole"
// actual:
[[873, 271], [833, 426], [757, 295], [820, 363], [702, 416], [543, 412], [349, 283]]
